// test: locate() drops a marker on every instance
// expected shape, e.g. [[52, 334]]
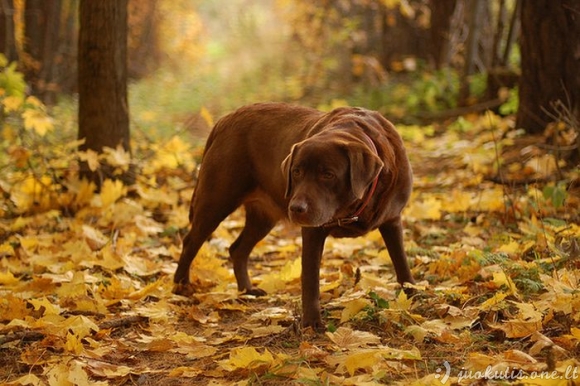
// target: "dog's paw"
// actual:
[[183, 289], [255, 292]]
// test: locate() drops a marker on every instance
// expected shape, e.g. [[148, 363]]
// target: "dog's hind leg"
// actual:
[[258, 225], [200, 231], [214, 199], [392, 233]]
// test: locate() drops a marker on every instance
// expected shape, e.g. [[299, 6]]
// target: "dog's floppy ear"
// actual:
[[287, 170], [365, 166]]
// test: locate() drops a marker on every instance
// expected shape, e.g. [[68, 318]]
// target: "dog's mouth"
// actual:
[[304, 222], [308, 220]]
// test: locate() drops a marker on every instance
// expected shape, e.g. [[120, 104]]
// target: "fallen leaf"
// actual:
[[346, 338], [247, 358]]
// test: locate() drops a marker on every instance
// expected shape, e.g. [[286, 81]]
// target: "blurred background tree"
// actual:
[[550, 65]]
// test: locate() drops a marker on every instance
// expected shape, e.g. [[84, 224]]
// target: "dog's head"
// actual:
[[326, 175]]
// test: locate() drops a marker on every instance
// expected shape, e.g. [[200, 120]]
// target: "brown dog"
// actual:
[[341, 173]]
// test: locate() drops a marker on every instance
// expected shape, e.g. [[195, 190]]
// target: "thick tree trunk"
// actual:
[[102, 78], [550, 52]]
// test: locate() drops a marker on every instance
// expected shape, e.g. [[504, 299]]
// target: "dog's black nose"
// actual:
[[298, 207]]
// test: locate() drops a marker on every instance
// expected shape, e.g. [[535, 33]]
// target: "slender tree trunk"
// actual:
[[441, 14], [7, 41], [471, 54], [102, 78], [41, 35], [550, 52]]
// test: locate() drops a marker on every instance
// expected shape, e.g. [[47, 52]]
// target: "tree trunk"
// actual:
[[102, 78], [402, 36], [7, 41], [143, 40], [550, 56], [441, 13], [41, 37], [471, 55]]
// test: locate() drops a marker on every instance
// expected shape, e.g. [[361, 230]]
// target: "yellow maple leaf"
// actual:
[[291, 270], [172, 154], [429, 208], [352, 308], [207, 267], [159, 312], [28, 379], [458, 201], [12, 103], [402, 303], [78, 376], [73, 344], [46, 305], [500, 278], [346, 338], [149, 289], [91, 157], [7, 278], [247, 358], [12, 307], [363, 359], [101, 368], [185, 372], [109, 260], [33, 193], [118, 157], [529, 321], [510, 248], [83, 190], [34, 101], [38, 121], [493, 301], [417, 332], [80, 325], [95, 239], [489, 200], [111, 191]]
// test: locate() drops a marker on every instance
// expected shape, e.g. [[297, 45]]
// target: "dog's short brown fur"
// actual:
[[317, 169]]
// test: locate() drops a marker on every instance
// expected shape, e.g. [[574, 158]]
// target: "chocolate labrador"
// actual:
[[342, 173]]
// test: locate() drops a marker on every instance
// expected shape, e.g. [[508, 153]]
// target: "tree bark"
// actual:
[[402, 36], [550, 56], [102, 78], [441, 13], [41, 37], [7, 40]]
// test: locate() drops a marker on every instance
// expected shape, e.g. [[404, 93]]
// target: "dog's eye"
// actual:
[[296, 172], [327, 175]]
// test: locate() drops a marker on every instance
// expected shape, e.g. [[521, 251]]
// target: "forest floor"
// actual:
[[492, 234]]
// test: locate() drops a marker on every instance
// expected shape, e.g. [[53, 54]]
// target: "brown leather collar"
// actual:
[[355, 217]]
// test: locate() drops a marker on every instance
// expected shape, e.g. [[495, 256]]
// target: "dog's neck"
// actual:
[[356, 216]]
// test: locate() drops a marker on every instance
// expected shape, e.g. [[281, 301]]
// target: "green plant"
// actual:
[[11, 81], [510, 106], [556, 194]]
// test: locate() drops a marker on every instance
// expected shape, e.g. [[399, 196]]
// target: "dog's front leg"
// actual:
[[312, 248]]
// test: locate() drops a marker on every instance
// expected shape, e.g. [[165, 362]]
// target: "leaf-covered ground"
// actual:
[[493, 240]]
